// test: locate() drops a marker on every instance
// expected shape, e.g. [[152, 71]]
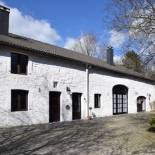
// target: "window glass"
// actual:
[[19, 100], [19, 63], [97, 100]]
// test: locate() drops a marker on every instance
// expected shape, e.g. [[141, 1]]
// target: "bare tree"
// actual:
[[137, 17], [86, 44]]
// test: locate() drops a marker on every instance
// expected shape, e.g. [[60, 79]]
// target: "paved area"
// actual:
[[117, 135]]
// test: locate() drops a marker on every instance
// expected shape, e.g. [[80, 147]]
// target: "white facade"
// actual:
[[43, 71], [104, 83]]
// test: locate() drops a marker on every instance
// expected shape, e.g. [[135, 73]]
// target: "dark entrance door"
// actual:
[[76, 106], [120, 99], [141, 103], [54, 106], [139, 107]]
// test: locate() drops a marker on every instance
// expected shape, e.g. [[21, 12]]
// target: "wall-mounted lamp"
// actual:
[[55, 83], [68, 90]]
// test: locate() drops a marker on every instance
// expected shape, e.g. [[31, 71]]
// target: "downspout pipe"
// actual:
[[88, 67]]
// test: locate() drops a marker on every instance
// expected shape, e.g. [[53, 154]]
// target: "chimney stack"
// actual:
[[4, 20], [110, 56]]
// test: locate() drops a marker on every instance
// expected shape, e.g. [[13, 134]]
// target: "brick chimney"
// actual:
[[4, 20], [110, 56]]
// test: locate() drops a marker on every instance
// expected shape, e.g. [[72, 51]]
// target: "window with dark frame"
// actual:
[[19, 63], [19, 100], [97, 100], [120, 99]]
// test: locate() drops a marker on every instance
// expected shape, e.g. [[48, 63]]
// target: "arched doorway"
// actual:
[[141, 103], [120, 99]]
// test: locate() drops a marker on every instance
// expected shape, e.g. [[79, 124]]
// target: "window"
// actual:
[[97, 100], [19, 100], [19, 63]]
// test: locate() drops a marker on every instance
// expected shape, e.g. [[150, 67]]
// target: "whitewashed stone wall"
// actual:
[[39, 82], [42, 72], [103, 83]]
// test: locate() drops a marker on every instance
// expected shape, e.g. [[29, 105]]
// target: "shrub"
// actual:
[[152, 123]]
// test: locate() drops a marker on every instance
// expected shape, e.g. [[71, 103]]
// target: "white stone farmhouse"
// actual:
[[42, 83]]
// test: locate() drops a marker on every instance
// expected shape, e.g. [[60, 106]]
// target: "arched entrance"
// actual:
[[141, 103], [120, 99]]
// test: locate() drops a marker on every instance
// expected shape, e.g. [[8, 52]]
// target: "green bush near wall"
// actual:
[[152, 124]]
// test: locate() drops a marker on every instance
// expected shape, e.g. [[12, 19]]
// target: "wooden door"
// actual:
[[141, 103], [76, 106], [54, 107], [139, 107], [120, 100]]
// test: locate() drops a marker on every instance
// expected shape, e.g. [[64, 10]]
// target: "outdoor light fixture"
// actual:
[[55, 83], [68, 90]]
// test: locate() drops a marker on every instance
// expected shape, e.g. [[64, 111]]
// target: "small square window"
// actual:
[[19, 63], [97, 100], [19, 100]]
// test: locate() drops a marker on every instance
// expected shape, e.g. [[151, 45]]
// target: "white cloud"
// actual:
[[70, 43], [117, 38], [28, 26], [117, 59]]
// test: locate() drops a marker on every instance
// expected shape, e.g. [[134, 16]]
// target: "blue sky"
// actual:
[[64, 20], [69, 17]]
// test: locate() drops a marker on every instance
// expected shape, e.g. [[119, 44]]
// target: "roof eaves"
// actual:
[[43, 48]]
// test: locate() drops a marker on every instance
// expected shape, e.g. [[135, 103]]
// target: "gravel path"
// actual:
[[117, 135]]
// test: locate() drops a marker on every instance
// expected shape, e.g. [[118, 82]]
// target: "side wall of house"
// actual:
[[103, 83], [43, 71]]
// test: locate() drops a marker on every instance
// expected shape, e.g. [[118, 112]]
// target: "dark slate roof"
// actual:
[[44, 48]]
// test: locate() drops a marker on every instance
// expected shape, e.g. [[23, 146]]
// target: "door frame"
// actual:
[[50, 114], [73, 107], [119, 92]]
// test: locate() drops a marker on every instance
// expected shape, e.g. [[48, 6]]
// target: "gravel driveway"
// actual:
[[116, 135]]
